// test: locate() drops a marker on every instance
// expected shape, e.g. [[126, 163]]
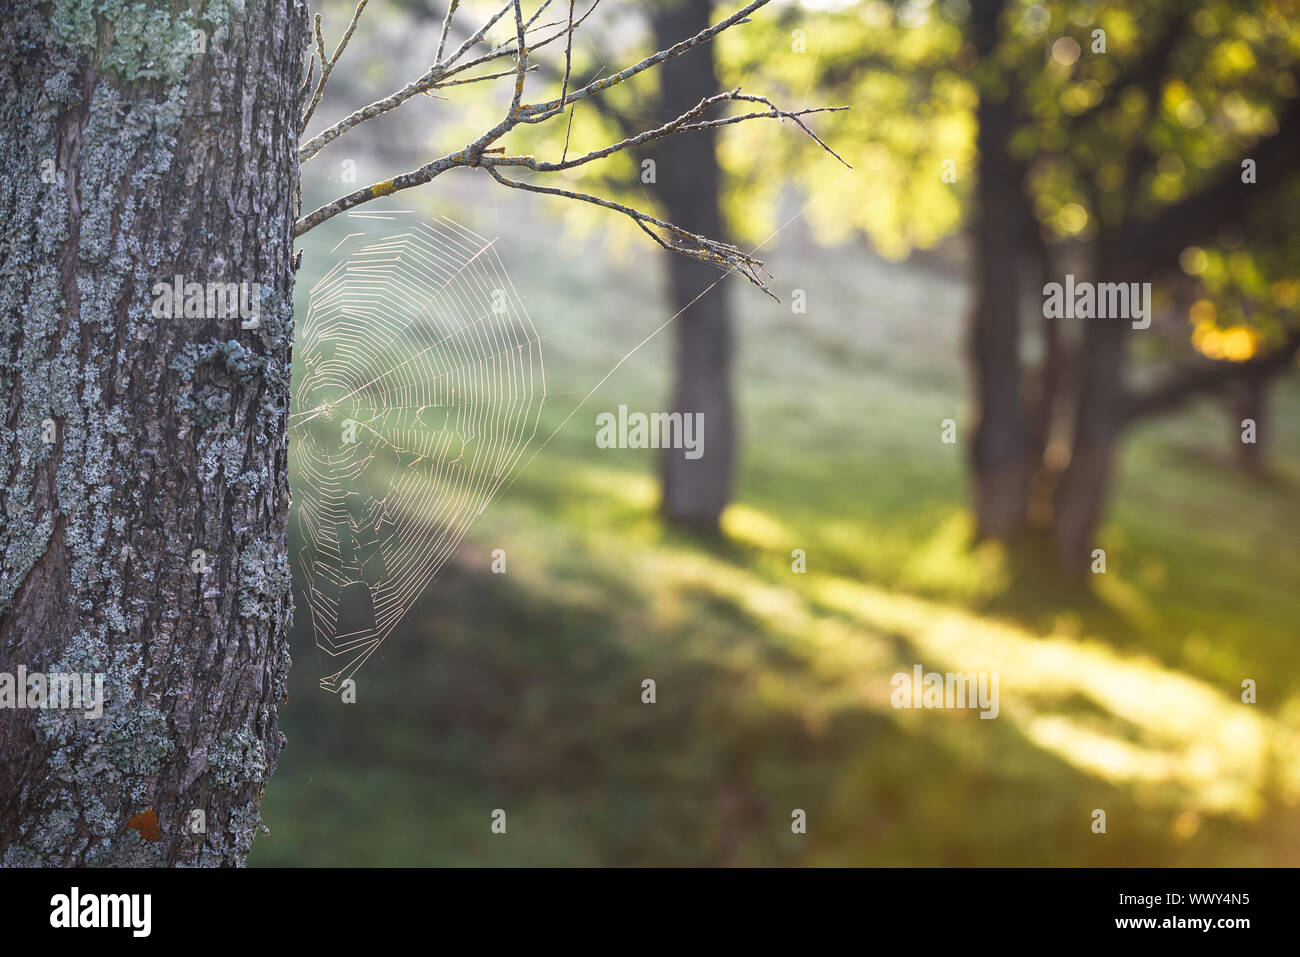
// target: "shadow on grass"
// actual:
[[1038, 592], [525, 694]]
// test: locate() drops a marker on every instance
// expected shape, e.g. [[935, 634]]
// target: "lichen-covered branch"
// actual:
[[439, 74], [446, 28], [482, 153], [711, 251], [680, 124], [327, 66]]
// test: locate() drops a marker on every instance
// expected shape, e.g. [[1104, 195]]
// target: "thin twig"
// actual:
[[680, 124], [311, 73], [427, 81], [538, 112], [774, 113], [684, 241], [540, 10], [326, 68], [568, 64], [476, 79], [446, 28], [567, 130], [481, 153], [521, 67]]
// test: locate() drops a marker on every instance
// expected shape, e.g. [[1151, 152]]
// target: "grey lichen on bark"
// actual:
[[132, 156]]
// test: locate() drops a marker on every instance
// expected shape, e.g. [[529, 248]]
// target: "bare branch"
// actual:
[[476, 79], [482, 154], [540, 10], [522, 60], [427, 81], [680, 124], [311, 74], [465, 46], [446, 28], [777, 114], [538, 112], [567, 130], [320, 38], [603, 107], [568, 66], [723, 255], [451, 68], [327, 67], [416, 177]]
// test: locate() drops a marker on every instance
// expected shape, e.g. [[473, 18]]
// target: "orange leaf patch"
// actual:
[[146, 822]]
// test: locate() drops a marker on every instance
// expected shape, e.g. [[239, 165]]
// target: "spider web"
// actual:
[[421, 387]]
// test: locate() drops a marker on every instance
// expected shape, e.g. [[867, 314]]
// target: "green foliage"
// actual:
[[1109, 138], [911, 100]]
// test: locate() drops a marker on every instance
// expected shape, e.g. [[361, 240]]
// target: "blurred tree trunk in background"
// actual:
[[999, 454], [1022, 478], [688, 182], [145, 498], [1080, 498]]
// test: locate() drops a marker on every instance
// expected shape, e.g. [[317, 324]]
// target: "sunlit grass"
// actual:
[[523, 690]]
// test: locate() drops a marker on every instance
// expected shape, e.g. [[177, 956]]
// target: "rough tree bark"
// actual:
[[169, 432], [695, 491]]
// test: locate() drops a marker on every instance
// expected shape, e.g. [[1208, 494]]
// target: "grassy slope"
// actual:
[[522, 691]]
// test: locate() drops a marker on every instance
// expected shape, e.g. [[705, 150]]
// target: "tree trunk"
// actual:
[[695, 491], [1000, 452], [168, 451], [1099, 419]]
